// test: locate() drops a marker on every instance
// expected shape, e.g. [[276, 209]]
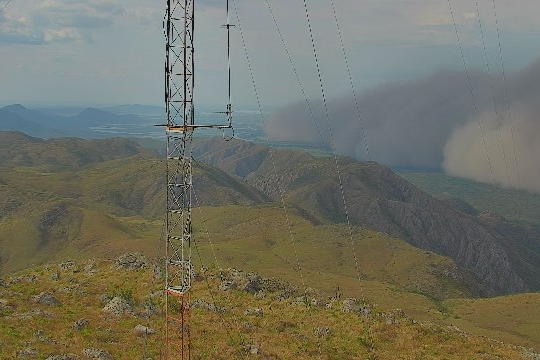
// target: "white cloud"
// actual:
[[386, 40], [51, 21]]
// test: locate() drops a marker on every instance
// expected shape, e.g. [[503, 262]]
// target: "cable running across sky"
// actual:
[[490, 77], [274, 168], [5, 5]]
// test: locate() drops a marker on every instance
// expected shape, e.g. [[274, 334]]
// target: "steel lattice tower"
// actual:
[[180, 126]]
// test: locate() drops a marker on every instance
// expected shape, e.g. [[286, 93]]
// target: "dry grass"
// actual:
[[285, 330]]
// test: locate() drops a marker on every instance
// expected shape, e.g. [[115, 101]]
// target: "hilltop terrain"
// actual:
[[113, 310]]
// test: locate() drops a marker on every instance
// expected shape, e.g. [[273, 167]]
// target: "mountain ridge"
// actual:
[[378, 199], [47, 125]]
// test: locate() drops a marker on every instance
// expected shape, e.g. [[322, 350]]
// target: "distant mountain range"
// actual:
[[131, 121], [46, 124]]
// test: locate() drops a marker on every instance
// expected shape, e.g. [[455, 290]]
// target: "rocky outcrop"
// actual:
[[118, 306], [141, 330], [98, 354], [46, 298], [250, 283], [353, 305], [63, 357], [205, 305], [132, 261], [80, 324]]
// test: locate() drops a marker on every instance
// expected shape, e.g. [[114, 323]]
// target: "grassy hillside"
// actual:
[[517, 205], [19, 149], [393, 274], [513, 319], [81, 205], [224, 324]]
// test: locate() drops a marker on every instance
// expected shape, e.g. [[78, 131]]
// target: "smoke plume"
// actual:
[[434, 123]]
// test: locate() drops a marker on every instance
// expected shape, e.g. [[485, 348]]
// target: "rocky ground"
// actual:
[[113, 310]]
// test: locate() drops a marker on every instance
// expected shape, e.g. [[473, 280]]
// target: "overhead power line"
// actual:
[[5, 5], [295, 70], [471, 90], [507, 96], [351, 82], [330, 132], [490, 78], [274, 167]]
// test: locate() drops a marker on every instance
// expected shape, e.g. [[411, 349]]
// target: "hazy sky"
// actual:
[[98, 52]]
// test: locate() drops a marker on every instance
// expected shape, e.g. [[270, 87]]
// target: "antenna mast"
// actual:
[[179, 129], [179, 85]]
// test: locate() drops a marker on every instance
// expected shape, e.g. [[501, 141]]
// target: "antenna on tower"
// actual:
[[228, 108], [179, 129], [228, 26]]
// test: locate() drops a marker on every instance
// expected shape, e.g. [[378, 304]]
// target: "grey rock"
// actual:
[[323, 331], [531, 354], [237, 280], [253, 349], [63, 357], [352, 305], [198, 276], [55, 276], [349, 305], [316, 302], [150, 308], [158, 271], [73, 289], [202, 304], [251, 283], [80, 324], [70, 264], [141, 330], [254, 312], [105, 298], [27, 353], [454, 329], [284, 295], [226, 285], [23, 279], [118, 306], [131, 261], [46, 298], [33, 313], [3, 283], [300, 300], [90, 269], [393, 317], [4, 304], [329, 305], [98, 354]]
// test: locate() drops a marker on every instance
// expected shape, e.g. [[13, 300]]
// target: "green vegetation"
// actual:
[[517, 205]]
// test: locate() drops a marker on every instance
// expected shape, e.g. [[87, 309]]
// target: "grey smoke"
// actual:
[[432, 123]]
